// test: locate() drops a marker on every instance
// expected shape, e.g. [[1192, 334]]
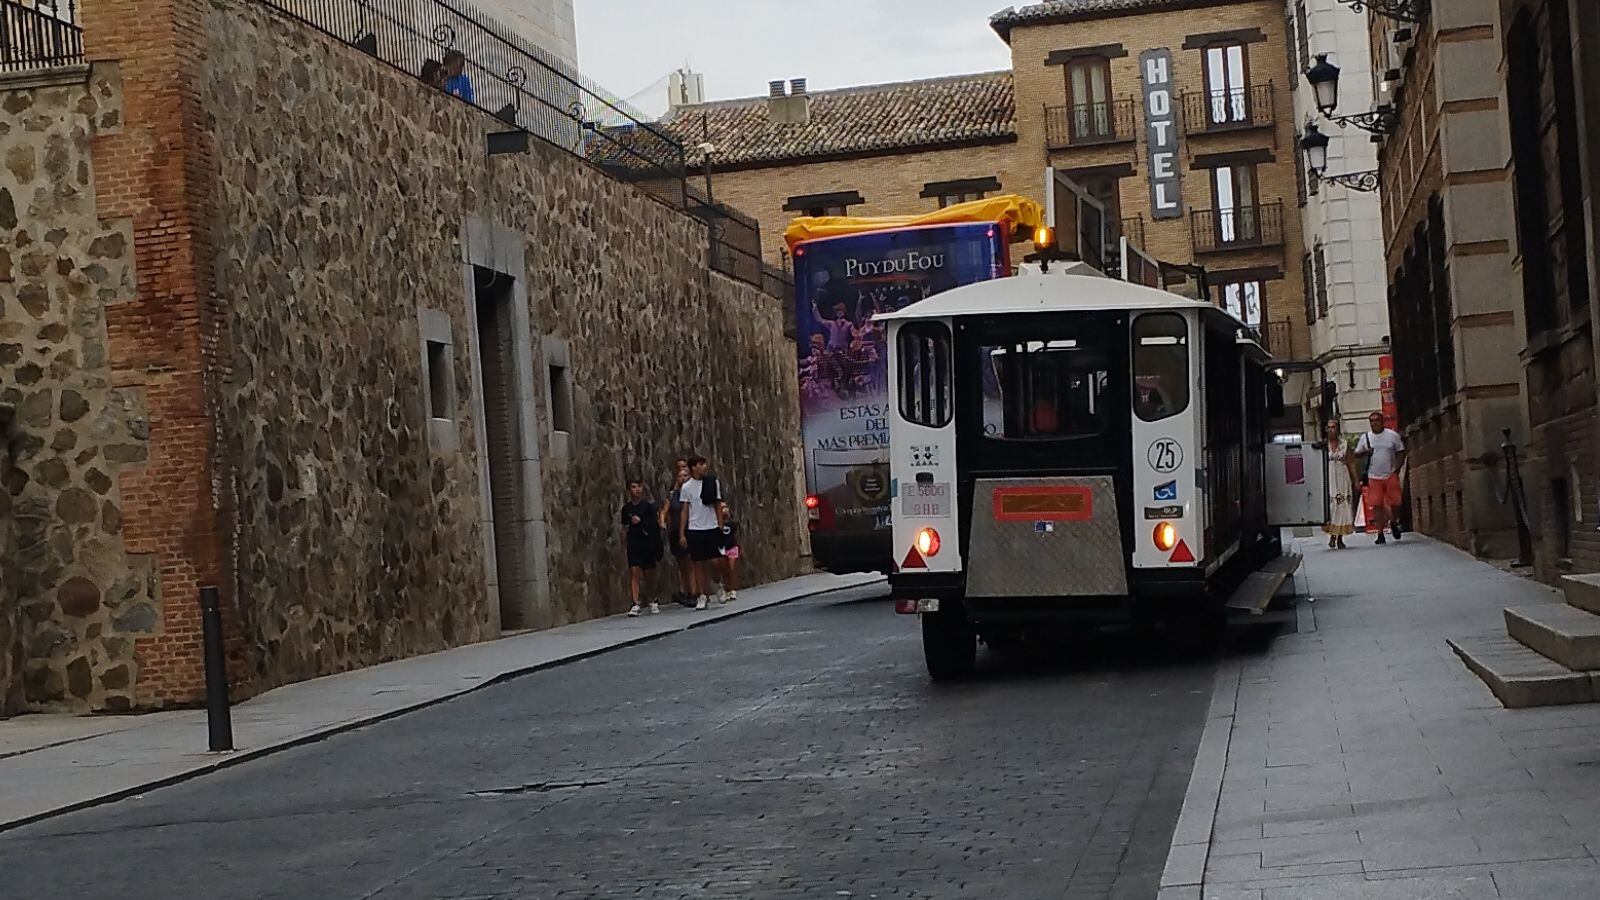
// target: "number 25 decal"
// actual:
[[1165, 455]]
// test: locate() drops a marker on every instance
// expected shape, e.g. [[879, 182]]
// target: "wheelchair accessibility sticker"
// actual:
[[1168, 491]]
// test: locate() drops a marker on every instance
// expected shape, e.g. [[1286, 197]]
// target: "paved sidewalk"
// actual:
[[54, 764], [1363, 760]]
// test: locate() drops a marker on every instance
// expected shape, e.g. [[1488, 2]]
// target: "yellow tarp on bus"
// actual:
[[1019, 213]]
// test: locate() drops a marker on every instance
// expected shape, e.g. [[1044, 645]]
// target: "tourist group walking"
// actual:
[[1383, 452], [694, 523]]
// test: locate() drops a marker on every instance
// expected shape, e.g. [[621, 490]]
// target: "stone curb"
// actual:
[[1185, 872], [228, 760]]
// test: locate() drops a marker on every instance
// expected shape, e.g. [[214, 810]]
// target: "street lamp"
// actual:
[[1315, 146], [1402, 10], [1324, 79]]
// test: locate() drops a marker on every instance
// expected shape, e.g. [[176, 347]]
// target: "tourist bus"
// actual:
[[846, 272], [1072, 450]]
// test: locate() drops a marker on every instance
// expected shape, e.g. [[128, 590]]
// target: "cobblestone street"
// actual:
[[798, 751]]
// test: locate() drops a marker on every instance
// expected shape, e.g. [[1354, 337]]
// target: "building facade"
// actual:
[[1549, 74], [380, 384], [1346, 299], [1092, 84], [1182, 123], [884, 149], [1448, 257]]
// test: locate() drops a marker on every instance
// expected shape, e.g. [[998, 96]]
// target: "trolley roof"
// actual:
[[1060, 293]]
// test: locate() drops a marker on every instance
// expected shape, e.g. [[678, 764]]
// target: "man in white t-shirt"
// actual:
[[1385, 453], [700, 529]]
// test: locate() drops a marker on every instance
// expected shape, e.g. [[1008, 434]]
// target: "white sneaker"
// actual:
[[655, 608], [732, 596], [634, 610], [722, 595], [701, 603]]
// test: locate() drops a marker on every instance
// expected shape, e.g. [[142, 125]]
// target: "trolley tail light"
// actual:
[[1165, 536], [928, 542], [912, 607]]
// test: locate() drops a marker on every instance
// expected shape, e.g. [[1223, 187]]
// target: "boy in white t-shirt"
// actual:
[[700, 531], [1385, 453]]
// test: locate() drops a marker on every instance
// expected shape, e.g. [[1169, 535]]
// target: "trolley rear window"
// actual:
[[1051, 389], [924, 374]]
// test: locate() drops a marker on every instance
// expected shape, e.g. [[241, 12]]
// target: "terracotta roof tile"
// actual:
[[1067, 10], [937, 111]]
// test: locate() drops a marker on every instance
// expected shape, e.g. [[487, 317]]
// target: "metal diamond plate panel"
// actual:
[[1012, 555]]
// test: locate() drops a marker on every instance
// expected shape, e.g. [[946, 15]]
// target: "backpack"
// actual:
[[710, 490]]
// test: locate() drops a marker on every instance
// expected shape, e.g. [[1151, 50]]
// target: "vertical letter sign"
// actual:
[[1161, 133]]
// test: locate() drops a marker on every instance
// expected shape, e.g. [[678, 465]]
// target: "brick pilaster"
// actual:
[[156, 171]]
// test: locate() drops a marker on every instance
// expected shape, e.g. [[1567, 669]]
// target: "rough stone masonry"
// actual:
[[311, 386]]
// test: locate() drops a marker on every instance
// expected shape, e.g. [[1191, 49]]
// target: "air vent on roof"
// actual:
[[797, 87], [775, 88]]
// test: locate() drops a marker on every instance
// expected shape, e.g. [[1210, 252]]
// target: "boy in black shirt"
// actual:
[[641, 526]]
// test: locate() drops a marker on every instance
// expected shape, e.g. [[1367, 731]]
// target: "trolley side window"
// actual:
[[1160, 366], [924, 374], [1045, 390]]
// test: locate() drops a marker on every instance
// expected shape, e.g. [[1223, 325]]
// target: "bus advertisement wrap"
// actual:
[[841, 283]]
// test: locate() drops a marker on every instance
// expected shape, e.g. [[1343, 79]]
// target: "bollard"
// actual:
[[218, 715]]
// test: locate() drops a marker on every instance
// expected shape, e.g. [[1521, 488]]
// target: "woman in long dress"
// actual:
[[1341, 488]]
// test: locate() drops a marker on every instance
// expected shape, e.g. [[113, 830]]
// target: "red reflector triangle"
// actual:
[[914, 560], [1182, 553]]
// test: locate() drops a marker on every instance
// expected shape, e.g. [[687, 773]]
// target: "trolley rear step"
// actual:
[[1255, 594]]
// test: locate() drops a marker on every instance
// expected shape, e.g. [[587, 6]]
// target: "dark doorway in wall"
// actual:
[[1561, 493], [497, 369]]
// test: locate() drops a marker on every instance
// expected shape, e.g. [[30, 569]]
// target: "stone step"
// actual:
[[1564, 633], [1583, 591], [1519, 677]]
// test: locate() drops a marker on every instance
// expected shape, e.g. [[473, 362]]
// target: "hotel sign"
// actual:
[[1161, 133]]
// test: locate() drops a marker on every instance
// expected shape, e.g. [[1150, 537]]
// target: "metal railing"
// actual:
[[528, 89], [1215, 230], [735, 248], [39, 36], [1088, 123], [507, 78], [1225, 110]]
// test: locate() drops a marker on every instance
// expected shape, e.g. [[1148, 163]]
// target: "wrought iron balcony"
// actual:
[[1234, 109], [1087, 124], [1238, 228], [39, 36]]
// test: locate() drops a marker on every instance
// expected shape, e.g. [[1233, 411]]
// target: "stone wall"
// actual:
[[84, 600], [11, 700], [343, 189]]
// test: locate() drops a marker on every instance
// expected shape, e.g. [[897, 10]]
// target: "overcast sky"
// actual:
[[740, 45]]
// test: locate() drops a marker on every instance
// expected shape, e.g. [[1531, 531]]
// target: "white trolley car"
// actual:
[[1070, 449]]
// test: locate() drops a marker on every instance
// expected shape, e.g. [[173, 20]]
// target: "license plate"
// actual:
[[925, 501]]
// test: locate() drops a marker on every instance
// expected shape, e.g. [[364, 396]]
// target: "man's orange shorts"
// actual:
[[1382, 492]]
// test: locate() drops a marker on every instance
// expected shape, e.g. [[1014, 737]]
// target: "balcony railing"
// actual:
[[1085, 124], [39, 36], [1228, 110], [1241, 227]]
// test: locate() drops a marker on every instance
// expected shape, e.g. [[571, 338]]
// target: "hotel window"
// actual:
[[1245, 300], [1236, 204], [1089, 96], [1227, 71]]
